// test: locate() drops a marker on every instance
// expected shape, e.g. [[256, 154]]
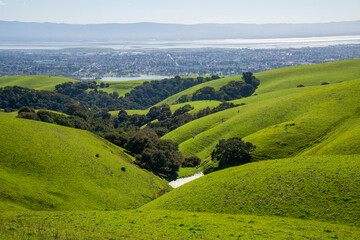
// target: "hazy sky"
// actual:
[[180, 11]]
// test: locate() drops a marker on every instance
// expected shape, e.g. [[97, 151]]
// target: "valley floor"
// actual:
[[135, 224]]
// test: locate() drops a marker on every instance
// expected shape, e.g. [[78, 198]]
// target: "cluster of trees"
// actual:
[[232, 90], [89, 97], [77, 119], [84, 93], [229, 153], [12, 98], [181, 117], [166, 120], [159, 156], [150, 93]]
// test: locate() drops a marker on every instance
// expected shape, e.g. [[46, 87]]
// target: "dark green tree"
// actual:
[[183, 109], [232, 152], [248, 77], [154, 113]]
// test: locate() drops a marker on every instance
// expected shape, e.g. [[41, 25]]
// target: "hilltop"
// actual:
[[34, 82], [50, 167]]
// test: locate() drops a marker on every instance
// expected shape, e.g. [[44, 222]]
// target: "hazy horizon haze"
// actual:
[[184, 12]]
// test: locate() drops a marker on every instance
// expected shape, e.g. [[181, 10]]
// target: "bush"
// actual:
[[25, 109], [192, 161], [28, 115]]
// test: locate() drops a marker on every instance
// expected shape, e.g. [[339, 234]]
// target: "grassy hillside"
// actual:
[[50, 167], [325, 188], [35, 82], [121, 87], [288, 78], [132, 224], [279, 126], [309, 75]]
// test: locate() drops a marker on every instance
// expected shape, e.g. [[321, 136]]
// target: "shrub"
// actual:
[[192, 161], [25, 109], [28, 115]]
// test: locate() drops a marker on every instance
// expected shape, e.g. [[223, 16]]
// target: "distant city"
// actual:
[[98, 63]]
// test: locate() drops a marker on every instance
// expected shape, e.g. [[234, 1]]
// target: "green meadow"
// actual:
[[50, 167], [35, 82], [135, 224]]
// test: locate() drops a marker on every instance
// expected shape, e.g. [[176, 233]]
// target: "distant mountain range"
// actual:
[[21, 31]]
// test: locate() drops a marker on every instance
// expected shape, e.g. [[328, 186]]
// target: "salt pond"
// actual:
[[140, 77]]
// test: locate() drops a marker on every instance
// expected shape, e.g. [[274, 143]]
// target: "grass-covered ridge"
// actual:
[[34, 82], [279, 127], [50, 167], [308, 75], [324, 188], [132, 224], [287, 78]]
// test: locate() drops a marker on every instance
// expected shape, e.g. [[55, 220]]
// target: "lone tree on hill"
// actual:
[[232, 152], [248, 77]]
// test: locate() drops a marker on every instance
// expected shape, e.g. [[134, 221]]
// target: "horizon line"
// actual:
[[169, 23]]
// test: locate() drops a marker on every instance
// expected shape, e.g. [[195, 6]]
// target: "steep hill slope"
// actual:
[[50, 167], [34, 82], [325, 188], [279, 126]]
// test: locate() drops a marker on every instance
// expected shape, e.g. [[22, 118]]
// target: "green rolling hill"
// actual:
[[50, 167], [324, 188], [34, 82], [287, 78], [274, 120]]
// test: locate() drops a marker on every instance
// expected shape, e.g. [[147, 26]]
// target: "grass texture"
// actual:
[[50, 167]]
